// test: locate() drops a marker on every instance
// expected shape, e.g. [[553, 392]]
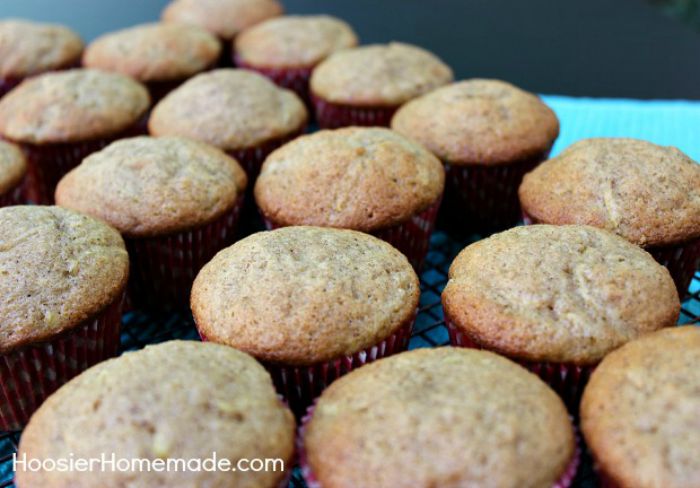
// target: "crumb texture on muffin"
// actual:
[[152, 186], [379, 74], [640, 411], [439, 417], [303, 295], [230, 109], [13, 166], [57, 269], [646, 193], [558, 293], [177, 400], [371, 178]]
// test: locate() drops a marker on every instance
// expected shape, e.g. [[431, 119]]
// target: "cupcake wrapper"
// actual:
[[252, 158], [333, 115], [164, 267], [13, 196], [295, 79], [32, 373]]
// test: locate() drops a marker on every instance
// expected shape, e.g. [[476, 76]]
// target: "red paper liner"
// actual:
[[14, 196], [252, 158], [163, 268], [334, 115], [292, 78], [32, 373]]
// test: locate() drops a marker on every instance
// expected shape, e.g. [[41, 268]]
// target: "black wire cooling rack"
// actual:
[[140, 330]]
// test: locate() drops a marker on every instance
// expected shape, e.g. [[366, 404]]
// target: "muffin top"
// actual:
[[58, 268], [640, 411], [294, 41], [558, 293], [303, 295], [72, 106], [225, 18], [380, 74], [439, 417], [479, 122], [148, 186], [177, 400], [13, 166], [154, 52], [371, 178], [28, 48], [230, 109], [648, 194]]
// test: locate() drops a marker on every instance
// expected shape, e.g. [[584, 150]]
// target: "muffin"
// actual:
[[439, 417], [60, 118], [364, 86], [13, 168], [372, 180], [62, 280], [175, 401], [640, 412], [648, 194], [240, 112], [161, 56], [310, 303], [286, 49], [557, 299], [175, 201], [29, 48]]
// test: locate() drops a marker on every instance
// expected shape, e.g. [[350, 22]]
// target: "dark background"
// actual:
[[601, 48]]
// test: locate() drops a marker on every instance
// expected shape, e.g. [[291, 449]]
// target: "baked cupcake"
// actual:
[[286, 49], [364, 86], [29, 48], [370, 179], [13, 168], [175, 201], [640, 412], [240, 112], [161, 56], [170, 403], [310, 303], [557, 299], [62, 280], [60, 118], [439, 417], [648, 194], [489, 134]]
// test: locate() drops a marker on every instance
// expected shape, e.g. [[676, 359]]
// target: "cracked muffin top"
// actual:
[[58, 268], [648, 194], [558, 293], [13, 166], [639, 412], [176, 400]]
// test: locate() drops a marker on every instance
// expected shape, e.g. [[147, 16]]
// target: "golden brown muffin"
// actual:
[[640, 411], [147, 186], [648, 194], [154, 52], [177, 400], [442, 417], [379, 75], [13, 166], [566, 294], [479, 121], [72, 106], [230, 109], [225, 18], [58, 268], [371, 178], [294, 41], [29, 48], [304, 295]]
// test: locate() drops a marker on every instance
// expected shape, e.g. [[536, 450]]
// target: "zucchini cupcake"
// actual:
[[13, 168], [439, 417], [174, 402], [640, 412], [311, 303], [556, 299], [372, 180], [60, 118], [648, 194], [62, 281], [365, 85]]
